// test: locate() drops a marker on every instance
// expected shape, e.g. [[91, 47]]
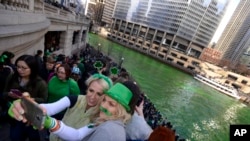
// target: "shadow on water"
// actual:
[[196, 111]]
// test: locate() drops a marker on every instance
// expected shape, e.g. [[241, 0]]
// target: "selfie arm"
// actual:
[[65, 132], [56, 107], [68, 133]]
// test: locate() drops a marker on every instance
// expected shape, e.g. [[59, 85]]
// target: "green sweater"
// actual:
[[58, 88]]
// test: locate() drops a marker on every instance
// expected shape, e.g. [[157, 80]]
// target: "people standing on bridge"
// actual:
[[138, 128], [80, 8], [9, 60], [62, 85], [48, 70], [39, 59], [118, 101], [81, 108], [5, 71], [25, 79], [115, 106]]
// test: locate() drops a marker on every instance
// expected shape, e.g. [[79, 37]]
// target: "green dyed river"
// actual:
[[196, 111]]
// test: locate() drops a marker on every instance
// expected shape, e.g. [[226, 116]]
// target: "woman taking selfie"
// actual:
[[114, 113]]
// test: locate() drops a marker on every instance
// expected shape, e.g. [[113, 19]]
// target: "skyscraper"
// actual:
[[108, 11], [186, 26], [236, 37]]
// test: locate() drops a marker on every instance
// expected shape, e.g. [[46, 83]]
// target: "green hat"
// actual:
[[121, 94], [101, 76]]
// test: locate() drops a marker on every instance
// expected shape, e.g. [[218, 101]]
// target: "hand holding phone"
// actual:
[[33, 112], [15, 93]]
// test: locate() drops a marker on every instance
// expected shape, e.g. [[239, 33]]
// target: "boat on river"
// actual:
[[230, 91]]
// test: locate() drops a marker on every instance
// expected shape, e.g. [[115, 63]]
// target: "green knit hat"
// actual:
[[121, 94]]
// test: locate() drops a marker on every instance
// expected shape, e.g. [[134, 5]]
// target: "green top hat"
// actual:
[[121, 94]]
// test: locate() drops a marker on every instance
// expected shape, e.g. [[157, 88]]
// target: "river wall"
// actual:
[[184, 69]]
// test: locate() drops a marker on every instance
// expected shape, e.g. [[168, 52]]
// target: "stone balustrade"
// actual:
[[24, 23], [39, 6]]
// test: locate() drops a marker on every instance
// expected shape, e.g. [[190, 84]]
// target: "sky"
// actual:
[[231, 7]]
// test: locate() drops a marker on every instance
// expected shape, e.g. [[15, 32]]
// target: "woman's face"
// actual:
[[110, 105], [23, 69], [94, 92], [61, 74], [49, 65], [74, 65]]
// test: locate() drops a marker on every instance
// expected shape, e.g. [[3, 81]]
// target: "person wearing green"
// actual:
[[109, 125], [83, 107], [80, 65], [62, 85], [114, 112]]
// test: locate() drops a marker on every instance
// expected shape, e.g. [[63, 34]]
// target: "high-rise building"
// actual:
[[108, 12], [95, 10], [158, 27], [235, 39]]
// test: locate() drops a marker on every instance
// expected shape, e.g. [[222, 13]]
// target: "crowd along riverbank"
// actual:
[[196, 111], [152, 115]]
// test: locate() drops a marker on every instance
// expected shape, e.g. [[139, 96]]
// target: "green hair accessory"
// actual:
[[98, 65], [2, 58], [120, 94], [81, 59], [101, 76], [104, 110], [114, 70], [47, 53]]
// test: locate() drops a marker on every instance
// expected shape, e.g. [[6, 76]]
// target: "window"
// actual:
[[244, 82]]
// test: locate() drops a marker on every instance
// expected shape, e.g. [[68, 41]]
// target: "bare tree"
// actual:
[[224, 63], [241, 69]]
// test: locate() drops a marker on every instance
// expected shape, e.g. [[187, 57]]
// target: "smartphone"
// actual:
[[16, 92], [33, 112]]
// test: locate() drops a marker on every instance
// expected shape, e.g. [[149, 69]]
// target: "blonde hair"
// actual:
[[105, 86], [121, 114], [100, 81]]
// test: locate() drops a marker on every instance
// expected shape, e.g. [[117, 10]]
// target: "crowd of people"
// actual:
[[87, 97], [74, 6]]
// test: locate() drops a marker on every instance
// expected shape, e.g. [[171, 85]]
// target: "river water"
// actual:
[[196, 111]]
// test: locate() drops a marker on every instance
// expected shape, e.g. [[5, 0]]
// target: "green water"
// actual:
[[197, 112]]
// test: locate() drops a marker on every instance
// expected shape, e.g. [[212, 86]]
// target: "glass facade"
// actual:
[[194, 21]]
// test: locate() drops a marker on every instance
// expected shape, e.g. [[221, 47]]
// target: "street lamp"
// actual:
[[98, 48], [121, 61]]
